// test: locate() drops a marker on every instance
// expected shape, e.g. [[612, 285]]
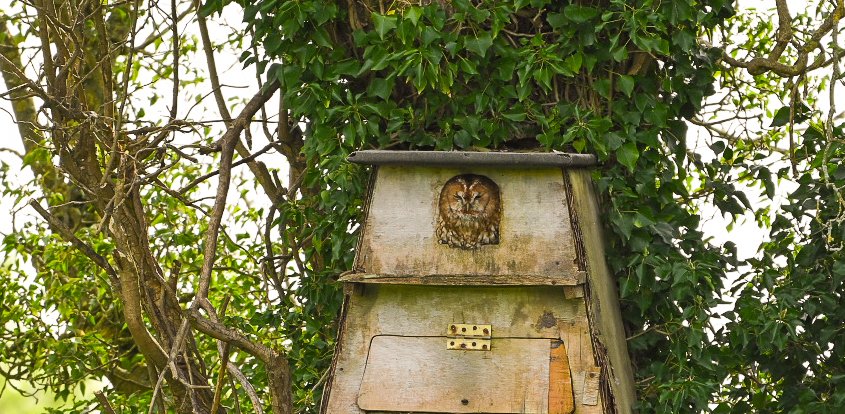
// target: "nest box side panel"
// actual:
[[603, 301], [500, 223]]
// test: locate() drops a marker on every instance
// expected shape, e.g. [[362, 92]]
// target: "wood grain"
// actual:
[[561, 396], [575, 334], [536, 238], [413, 310], [418, 374], [603, 300], [572, 280]]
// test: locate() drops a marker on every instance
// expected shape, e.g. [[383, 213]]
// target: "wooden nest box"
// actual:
[[480, 286]]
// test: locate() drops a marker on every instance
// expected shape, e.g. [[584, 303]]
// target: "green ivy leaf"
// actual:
[[413, 14], [480, 44], [462, 139], [781, 117], [210, 7], [628, 154], [684, 39], [516, 117], [580, 14], [557, 20], [626, 84], [383, 24], [603, 87], [573, 63], [381, 88]]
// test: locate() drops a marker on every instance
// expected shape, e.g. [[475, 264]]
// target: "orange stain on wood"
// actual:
[[561, 397]]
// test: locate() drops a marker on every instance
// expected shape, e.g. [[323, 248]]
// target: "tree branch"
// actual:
[[227, 145], [85, 249], [278, 370], [770, 63], [258, 169]]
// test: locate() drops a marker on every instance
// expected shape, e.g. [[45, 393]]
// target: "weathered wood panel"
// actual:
[[603, 299], [412, 310], [419, 374], [575, 334], [535, 234]]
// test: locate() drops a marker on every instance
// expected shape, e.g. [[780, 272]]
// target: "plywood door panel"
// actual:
[[418, 374]]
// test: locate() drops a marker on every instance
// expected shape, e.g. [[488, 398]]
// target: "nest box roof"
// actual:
[[466, 158]]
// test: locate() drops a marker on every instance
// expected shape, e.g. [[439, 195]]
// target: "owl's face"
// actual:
[[469, 208], [468, 199]]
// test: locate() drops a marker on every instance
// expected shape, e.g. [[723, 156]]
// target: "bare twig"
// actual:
[[104, 402], [241, 161], [223, 349], [227, 145], [278, 371], [174, 105], [68, 235], [235, 372]]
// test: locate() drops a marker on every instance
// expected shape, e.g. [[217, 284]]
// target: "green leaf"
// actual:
[[613, 141], [289, 76], [272, 44], [838, 172], [479, 45], [557, 20], [573, 62], [684, 39], [413, 14], [580, 14], [602, 86], [383, 24], [210, 7], [839, 268], [516, 117], [781, 117], [626, 84], [462, 139], [429, 35], [381, 88], [628, 154]]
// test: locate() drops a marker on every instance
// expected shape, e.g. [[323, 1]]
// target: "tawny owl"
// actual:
[[469, 209]]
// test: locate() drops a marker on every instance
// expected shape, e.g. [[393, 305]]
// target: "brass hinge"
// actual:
[[469, 337]]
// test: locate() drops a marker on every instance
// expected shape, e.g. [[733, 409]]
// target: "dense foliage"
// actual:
[[621, 80], [611, 79]]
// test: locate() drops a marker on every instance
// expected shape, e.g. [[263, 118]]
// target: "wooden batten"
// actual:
[[538, 285]]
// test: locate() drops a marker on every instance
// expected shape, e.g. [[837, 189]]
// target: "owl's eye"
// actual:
[[476, 197], [457, 197]]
